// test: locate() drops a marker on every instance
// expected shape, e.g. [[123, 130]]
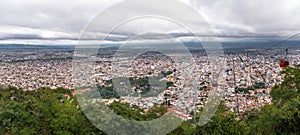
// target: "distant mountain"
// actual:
[[254, 45], [190, 44]]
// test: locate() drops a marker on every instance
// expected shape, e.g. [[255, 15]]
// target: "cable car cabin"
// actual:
[[284, 63]]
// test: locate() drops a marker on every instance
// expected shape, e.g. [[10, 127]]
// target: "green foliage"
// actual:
[[245, 89], [167, 73], [255, 86], [259, 85], [44, 111], [47, 111], [135, 113], [140, 84], [223, 124], [283, 116], [220, 123], [108, 92], [289, 88], [170, 84]]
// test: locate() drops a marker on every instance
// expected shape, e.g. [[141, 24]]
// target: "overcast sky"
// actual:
[[61, 22]]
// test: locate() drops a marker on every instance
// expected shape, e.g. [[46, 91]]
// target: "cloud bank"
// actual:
[[61, 22]]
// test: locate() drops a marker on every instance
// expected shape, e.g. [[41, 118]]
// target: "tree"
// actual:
[[283, 116], [44, 111], [220, 123], [223, 124]]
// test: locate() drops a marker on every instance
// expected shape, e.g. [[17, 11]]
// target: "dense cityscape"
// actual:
[[249, 77], [158, 67]]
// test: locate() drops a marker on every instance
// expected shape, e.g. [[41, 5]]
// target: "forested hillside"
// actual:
[[47, 111]]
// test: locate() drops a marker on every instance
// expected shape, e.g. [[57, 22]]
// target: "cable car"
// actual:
[[283, 63]]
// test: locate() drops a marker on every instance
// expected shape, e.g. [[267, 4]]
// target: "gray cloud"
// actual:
[[20, 36], [251, 17], [67, 15], [55, 19]]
